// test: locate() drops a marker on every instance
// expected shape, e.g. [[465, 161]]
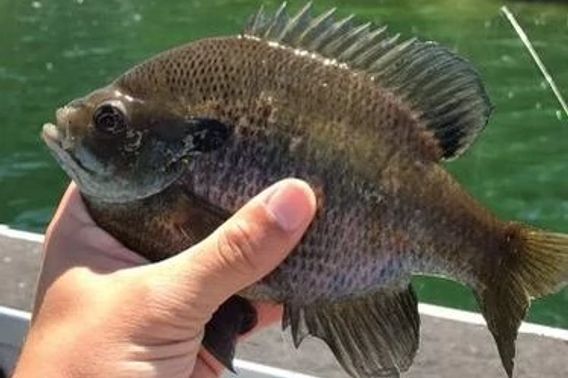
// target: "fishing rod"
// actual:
[[525, 39]]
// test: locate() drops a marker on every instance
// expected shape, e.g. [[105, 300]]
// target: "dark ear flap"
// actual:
[[205, 134], [184, 137]]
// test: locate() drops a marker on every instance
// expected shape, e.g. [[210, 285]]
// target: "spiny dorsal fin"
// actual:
[[443, 89]]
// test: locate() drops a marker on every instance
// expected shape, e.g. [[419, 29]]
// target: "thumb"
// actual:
[[246, 247]]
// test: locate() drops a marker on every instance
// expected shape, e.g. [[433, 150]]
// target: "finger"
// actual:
[[247, 247], [206, 366], [70, 196]]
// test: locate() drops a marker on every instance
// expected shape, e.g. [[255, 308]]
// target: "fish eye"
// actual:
[[109, 119]]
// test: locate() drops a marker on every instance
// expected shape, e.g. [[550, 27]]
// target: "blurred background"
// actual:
[[54, 51]]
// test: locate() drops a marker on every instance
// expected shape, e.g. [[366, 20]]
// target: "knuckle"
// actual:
[[159, 301], [237, 246], [164, 302]]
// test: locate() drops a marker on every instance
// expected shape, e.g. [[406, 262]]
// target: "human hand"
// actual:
[[101, 311]]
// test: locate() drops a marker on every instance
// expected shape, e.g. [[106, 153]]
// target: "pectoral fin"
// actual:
[[372, 336], [233, 318]]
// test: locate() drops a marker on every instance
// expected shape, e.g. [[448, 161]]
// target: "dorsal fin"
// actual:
[[443, 90]]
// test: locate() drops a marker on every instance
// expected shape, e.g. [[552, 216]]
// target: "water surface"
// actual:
[[54, 51]]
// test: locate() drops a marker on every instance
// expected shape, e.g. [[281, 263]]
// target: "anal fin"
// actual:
[[371, 336]]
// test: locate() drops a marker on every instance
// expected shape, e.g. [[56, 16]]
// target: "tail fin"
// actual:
[[535, 264]]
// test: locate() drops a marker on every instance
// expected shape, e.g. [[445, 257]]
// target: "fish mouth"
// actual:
[[52, 136], [54, 133], [84, 177]]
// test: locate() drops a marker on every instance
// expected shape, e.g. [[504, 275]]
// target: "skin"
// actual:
[[148, 320]]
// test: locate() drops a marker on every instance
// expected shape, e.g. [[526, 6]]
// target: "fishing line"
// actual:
[[523, 36]]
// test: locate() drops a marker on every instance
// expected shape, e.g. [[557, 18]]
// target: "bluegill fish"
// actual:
[[185, 138]]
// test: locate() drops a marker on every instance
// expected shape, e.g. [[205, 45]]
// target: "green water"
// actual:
[[54, 51]]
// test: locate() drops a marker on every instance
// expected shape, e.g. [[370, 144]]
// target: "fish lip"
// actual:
[[51, 134], [54, 132]]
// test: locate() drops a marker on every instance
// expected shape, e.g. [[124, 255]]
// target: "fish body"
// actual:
[[370, 174], [186, 138]]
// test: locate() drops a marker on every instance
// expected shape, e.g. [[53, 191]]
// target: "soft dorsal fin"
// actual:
[[443, 89]]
